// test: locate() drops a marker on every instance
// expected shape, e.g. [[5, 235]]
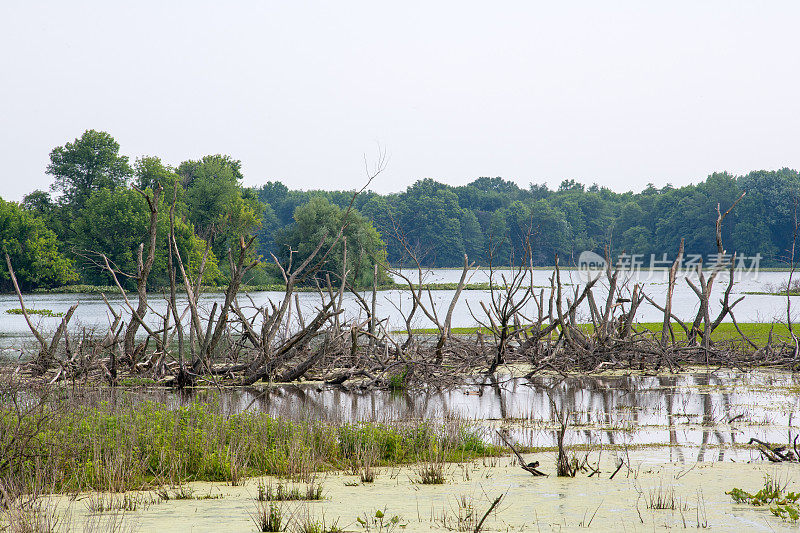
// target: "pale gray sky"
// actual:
[[618, 93]]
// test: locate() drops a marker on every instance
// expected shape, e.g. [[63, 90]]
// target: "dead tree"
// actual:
[[666, 328], [143, 267], [47, 350]]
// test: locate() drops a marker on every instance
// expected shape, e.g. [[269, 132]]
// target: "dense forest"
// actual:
[[98, 205]]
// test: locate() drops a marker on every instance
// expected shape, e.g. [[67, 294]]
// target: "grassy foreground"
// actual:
[[141, 444]]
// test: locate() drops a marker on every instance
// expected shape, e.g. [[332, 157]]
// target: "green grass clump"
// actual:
[[397, 381], [283, 493], [79, 289], [758, 332], [269, 518], [40, 312], [380, 521], [781, 503], [134, 444]]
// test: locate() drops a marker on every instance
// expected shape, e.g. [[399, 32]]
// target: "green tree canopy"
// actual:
[[115, 223], [88, 164], [33, 250], [217, 206], [150, 172], [430, 216], [319, 218]]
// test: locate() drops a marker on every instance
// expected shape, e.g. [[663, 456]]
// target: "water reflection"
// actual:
[[702, 416]]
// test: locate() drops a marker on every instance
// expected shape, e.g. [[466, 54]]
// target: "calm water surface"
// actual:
[[93, 313], [694, 416]]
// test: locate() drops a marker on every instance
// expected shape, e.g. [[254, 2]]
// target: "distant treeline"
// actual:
[[97, 206], [445, 222]]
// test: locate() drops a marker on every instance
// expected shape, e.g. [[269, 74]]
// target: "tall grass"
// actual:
[[131, 444]]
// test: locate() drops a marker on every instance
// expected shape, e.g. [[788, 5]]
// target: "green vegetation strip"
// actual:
[[41, 312], [758, 332], [135, 445], [773, 293]]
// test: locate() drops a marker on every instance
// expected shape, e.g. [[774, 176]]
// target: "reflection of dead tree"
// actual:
[[778, 453], [565, 466]]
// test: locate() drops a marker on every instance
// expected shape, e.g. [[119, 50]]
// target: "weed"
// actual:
[[782, 504], [134, 444], [431, 474], [662, 498], [462, 517], [367, 475], [181, 492], [40, 312], [103, 503], [268, 517], [380, 522], [281, 492], [397, 382], [31, 516], [311, 525]]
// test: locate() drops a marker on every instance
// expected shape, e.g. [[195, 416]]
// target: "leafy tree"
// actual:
[[319, 218], [380, 210], [472, 235], [637, 240], [220, 210], [267, 230], [488, 194], [115, 223], [42, 206], [150, 172], [751, 237], [430, 216], [273, 193], [33, 250], [90, 163], [39, 203]]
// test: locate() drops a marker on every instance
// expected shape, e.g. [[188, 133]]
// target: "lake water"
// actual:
[[93, 313], [687, 432], [693, 416]]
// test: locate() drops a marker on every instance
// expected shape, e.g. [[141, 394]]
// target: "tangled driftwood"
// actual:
[[240, 343]]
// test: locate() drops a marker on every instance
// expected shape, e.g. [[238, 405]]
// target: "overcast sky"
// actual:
[[617, 93]]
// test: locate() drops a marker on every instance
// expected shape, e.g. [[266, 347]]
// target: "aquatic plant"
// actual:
[[380, 522], [781, 503], [307, 524], [83, 444], [431, 473], [100, 502], [397, 381], [40, 312], [283, 492], [367, 475], [662, 498], [268, 518]]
